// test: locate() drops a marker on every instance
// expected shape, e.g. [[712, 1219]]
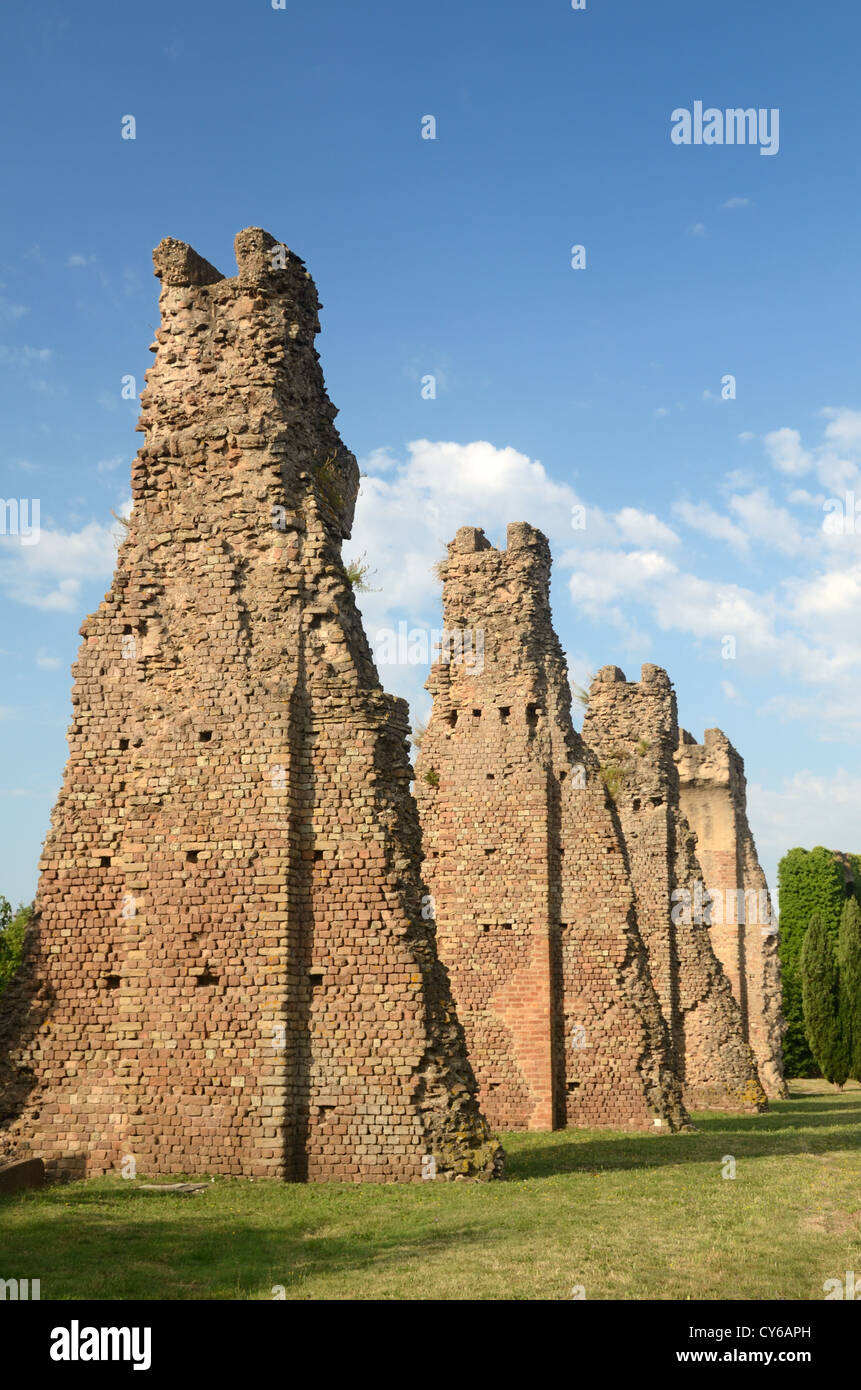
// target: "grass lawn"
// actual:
[[626, 1216]]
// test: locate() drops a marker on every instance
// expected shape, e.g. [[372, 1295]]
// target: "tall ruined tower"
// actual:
[[714, 802], [633, 728], [230, 970], [526, 866]]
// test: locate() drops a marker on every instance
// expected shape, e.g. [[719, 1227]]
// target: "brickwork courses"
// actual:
[[713, 792], [526, 865], [633, 728], [229, 969]]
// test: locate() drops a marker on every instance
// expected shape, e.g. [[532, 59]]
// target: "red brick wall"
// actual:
[[526, 866], [230, 971]]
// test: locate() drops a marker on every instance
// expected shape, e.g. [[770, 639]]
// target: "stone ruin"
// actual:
[[234, 964], [229, 969], [743, 928], [554, 861], [526, 866], [633, 728]]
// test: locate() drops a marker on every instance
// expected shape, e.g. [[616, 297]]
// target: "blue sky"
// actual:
[[451, 257]]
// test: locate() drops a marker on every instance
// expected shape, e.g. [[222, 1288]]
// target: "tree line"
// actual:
[[820, 951]]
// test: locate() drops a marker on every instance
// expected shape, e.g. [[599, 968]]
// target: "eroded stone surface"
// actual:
[[713, 792], [526, 864], [633, 728], [228, 969]]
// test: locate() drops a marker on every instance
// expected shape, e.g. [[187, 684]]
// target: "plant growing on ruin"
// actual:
[[439, 569], [432, 777], [580, 693], [326, 477], [613, 777], [357, 572], [419, 731], [643, 747]]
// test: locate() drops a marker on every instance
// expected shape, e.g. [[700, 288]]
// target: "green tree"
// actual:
[[849, 976], [808, 881], [820, 998], [13, 928]]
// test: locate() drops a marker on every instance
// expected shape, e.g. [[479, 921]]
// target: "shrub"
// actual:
[[357, 572], [13, 928]]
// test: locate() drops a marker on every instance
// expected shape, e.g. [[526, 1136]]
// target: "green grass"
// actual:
[[627, 1216]]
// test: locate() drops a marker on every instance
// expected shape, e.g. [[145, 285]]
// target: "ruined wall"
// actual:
[[633, 728], [713, 793], [526, 865], [229, 969]]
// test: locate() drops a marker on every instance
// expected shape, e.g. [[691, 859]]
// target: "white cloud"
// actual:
[[764, 520], [701, 517], [22, 356], [736, 203], [806, 811], [786, 453], [644, 528], [49, 573]]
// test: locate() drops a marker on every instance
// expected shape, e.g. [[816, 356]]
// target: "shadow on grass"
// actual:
[[815, 1127], [219, 1257]]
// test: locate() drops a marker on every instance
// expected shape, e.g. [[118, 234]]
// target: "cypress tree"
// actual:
[[808, 881], [820, 1000], [849, 973]]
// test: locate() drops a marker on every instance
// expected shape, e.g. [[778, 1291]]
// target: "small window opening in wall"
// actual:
[[476, 714], [126, 630], [451, 718], [112, 982], [491, 851], [635, 804], [124, 743], [105, 861], [318, 855], [532, 713], [316, 974], [324, 1109], [504, 712], [205, 735], [656, 800], [207, 978], [562, 776], [573, 1086], [191, 856], [491, 776], [494, 1085]]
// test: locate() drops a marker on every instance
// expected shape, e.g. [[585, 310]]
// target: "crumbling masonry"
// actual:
[[552, 861], [229, 969], [743, 931], [633, 728], [527, 869]]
